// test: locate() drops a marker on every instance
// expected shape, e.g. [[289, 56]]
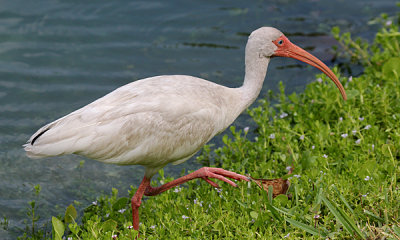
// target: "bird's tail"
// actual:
[[46, 142]]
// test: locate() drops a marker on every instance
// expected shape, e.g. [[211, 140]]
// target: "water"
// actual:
[[56, 56]]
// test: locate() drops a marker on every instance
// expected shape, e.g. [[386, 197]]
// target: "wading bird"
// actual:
[[166, 119]]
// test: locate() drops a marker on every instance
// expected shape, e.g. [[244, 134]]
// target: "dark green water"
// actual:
[[56, 56]]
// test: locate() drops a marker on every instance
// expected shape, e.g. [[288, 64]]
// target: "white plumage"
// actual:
[[151, 122]]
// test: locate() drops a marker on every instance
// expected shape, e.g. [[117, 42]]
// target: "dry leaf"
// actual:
[[279, 185]]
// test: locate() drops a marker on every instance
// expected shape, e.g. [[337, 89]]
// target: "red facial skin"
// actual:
[[290, 50]]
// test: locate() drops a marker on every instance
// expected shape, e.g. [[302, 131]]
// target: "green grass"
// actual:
[[345, 158]]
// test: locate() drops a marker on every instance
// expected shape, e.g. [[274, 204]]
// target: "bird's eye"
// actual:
[[280, 42]]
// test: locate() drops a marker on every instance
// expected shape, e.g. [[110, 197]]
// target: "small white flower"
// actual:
[[317, 216], [287, 235], [298, 176], [340, 119], [365, 195], [283, 115], [195, 201], [246, 130], [344, 135], [312, 147], [358, 141], [288, 168], [319, 80], [178, 189], [302, 137], [350, 78], [107, 215], [219, 190], [153, 226], [361, 118], [389, 22], [325, 156], [272, 136], [185, 217], [129, 227], [367, 178], [69, 238], [252, 220], [373, 147], [114, 236], [321, 172], [312, 101], [94, 203], [122, 210], [272, 171], [354, 132], [367, 127]]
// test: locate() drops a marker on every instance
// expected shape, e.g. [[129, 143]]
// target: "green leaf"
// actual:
[[70, 214], [109, 225], [58, 228], [254, 214], [391, 69], [281, 199], [120, 203], [306, 228], [387, 150], [352, 93]]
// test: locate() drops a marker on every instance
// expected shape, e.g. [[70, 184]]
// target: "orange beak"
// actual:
[[288, 49]]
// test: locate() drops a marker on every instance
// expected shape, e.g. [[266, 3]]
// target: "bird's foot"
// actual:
[[206, 173]]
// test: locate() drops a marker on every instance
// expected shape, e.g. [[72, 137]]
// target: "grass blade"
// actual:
[[274, 212], [396, 230], [374, 216], [270, 192], [306, 228], [343, 199], [343, 218]]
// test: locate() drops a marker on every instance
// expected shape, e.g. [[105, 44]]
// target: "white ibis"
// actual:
[[166, 119]]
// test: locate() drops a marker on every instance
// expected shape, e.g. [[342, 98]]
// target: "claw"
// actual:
[[211, 182]]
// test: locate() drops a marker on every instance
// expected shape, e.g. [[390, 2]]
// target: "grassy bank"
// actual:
[[344, 155]]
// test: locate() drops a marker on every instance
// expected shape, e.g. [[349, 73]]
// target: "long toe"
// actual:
[[228, 174]]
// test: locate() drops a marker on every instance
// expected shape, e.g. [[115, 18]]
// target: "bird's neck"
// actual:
[[256, 69]]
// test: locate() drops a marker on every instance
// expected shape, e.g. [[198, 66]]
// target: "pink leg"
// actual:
[[204, 173], [137, 200]]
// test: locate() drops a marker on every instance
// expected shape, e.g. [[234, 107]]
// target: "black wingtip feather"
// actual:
[[37, 136]]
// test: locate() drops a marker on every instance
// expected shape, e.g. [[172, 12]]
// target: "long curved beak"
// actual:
[[288, 49]]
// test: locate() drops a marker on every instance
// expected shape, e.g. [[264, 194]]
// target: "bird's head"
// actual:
[[270, 42]]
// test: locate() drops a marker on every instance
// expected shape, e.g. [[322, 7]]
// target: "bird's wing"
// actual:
[[135, 124]]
